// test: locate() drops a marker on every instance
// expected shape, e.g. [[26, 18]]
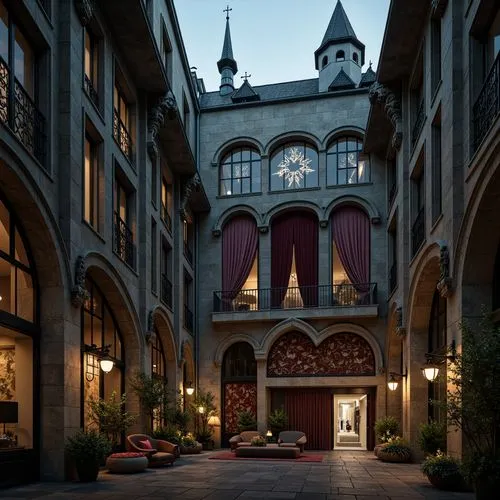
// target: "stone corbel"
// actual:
[[192, 185], [400, 330], [263, 229], [152, 150], [445, 283], [85, 10], [375, 220], [323, 224], [165, 109], [216, 233], [392, 106], [79, 293]]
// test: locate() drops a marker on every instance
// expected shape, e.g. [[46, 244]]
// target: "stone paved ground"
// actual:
[[341, 475]]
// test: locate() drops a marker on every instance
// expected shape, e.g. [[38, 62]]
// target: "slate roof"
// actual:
[[271, 92], [368, 77], [245, 93], [227, 58], [340, 27], [342, 81]]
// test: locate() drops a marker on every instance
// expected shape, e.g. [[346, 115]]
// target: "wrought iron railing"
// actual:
[[124, 241], [188, 319], [165, 216], [20, 114], [418, 231], [393, 277], [265, 299], [91, 91], [419, 122], [188, 253], [122, 136], [166, 291], [487, 106]]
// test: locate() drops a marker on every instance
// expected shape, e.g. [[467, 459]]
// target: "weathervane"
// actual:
[[227, 10], [246, 76]]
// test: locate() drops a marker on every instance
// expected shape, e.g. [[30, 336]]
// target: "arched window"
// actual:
[[345, 162], [17, 294], [294, 166], [324, 61], [239, 172], [240, 272], [19, 347], [99, 329], [351, 257], [355, 57], [340, 56], [158, 371], [437, 342], [239, 362]]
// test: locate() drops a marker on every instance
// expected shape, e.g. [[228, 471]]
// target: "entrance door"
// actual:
[[350, 421]]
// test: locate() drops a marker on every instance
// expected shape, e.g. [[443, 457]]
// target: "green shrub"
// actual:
[[396, 450], [441, 465], [258, 441], [386, 428], [432, 437], [88, 446], [277, 421], [246, 421], [188, 442], [168, 433]]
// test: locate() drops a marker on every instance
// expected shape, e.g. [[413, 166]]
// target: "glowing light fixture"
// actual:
[[269, 434], [95, 354], [393, 383], [214, 421], [106, 365], [431, 369], [201, 409], [190, 389]]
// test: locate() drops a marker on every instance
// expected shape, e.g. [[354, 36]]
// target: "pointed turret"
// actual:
[[340, 48], [227, 64]]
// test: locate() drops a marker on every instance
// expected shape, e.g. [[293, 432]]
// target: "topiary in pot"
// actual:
[[443, 472], [88, 449], [246, 421], [277, 421], [432, 437], [395, 451]]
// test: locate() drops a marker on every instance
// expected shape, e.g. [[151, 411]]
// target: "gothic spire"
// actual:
[[227, 64]]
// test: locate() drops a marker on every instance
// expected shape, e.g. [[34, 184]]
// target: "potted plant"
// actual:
[[395, 450], [110, 417], [189, 446], [277, 421], [443, 472], [432, 437], [246, 421], [203, 407], [473, 404], [258, 441], [88, 449], [386, 428], [167, 433]]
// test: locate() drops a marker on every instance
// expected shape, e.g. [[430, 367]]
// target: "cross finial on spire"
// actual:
[[370, 63], [246, 76], [227, 10]]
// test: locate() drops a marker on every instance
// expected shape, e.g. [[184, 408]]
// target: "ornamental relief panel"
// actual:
[[238, 397], [342, 354]]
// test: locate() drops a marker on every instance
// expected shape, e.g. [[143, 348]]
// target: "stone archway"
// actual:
[[165, 332], [415, 391]]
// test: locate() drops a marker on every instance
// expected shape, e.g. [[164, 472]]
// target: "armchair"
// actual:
[[290, 439], [160, 453]]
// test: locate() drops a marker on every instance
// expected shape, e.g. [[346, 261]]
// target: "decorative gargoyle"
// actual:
[[445, 283], [79, 293]]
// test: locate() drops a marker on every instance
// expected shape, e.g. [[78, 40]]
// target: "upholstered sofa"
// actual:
[[292, 439], [160, 453], [243, 439]]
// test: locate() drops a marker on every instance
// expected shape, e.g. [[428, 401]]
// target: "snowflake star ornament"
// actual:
[[294, 175]]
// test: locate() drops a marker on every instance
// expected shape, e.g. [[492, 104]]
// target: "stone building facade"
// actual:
[[252, 330], [98, 204], [434, 120]]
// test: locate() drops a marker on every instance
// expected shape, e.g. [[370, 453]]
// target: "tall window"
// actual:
[[121, 121], [166, 51], [435, 54], [418, 205], [188, 302], [91, 66], [239, 172], [124, 236], [437, 341], [100, 329], [340, 56], [345, 163], [417, 101], [294, 166], [188, 237], [392, 178], [158, 371], [18, 109], [153, 255], [91, 183], [166, 273], [436, 168], [166, 202], [18, 348], [393, 256]]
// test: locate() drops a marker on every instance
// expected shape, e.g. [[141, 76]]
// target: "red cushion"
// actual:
[[130, 454], [146, 444]]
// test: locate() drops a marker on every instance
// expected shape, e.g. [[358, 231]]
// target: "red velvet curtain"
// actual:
[[281, 258], [240, 241], [351, 233], [310, 411], [306, 257]]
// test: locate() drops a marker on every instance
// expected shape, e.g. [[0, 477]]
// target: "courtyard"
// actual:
[[341, 475]]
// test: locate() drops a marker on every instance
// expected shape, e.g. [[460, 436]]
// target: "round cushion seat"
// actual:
[[126, 463]]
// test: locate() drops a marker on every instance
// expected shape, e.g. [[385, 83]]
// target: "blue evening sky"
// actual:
[[273, 40]]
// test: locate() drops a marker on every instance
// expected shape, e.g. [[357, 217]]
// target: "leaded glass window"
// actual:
[[345, 162], [239, 172]]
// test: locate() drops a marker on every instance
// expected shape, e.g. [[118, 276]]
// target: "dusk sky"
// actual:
[[273, 40]]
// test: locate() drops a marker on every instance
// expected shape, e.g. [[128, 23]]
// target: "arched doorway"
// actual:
[[158, 372], [19, 353], [99, 330], [239, 387]]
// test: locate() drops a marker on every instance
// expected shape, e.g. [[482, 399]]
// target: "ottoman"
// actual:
[[126, 463]]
